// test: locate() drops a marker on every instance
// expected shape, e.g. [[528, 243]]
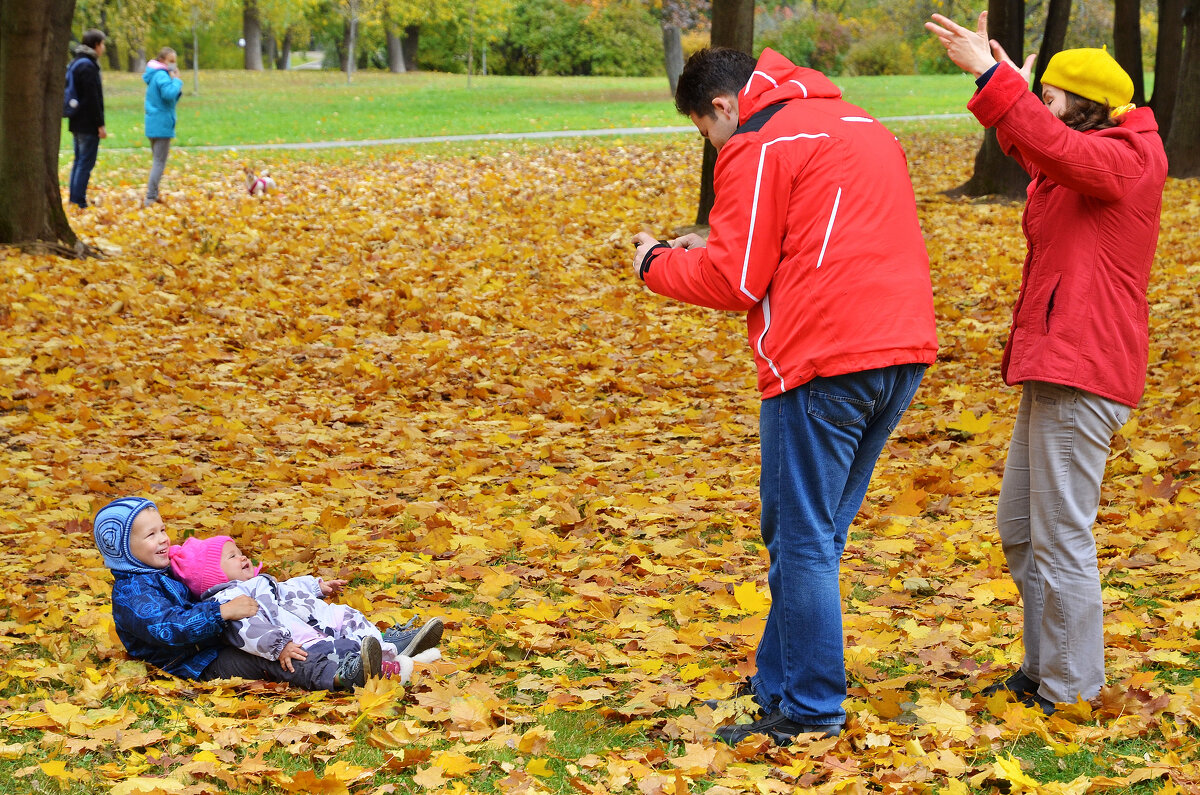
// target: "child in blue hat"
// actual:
[[159, 621]]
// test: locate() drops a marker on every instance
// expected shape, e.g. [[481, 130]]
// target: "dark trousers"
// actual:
[[86, 147], [315, 673]]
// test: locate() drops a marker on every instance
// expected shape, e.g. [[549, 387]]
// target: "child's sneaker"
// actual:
[[349, 672], [355, 669], [410, 642]]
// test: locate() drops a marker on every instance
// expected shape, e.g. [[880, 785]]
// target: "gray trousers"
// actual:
[[1048, 503], [315, 673], [159, 148]]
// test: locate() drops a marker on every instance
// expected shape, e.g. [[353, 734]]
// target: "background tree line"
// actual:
[[562, 36], [559, 37]]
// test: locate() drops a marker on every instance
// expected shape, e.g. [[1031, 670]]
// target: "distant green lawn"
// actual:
[[236, 107]]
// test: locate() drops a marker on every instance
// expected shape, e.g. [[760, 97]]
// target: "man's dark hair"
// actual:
[[91, 38], [711, 73]]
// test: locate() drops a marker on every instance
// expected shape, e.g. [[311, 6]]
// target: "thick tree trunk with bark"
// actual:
[[1058, 18], [1183, 142], [33, 60], [137, 60], [252, 32], [1168, 58], [1127, 44], [395, 50], [408, 45], [997, 174], [673, 54], [732, 26]]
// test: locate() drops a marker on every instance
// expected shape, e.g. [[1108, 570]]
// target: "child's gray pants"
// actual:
[[159, 148]]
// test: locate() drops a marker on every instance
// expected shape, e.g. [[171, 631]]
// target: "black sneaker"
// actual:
[[355, 669], [409, 642], [349, 672], [777, 727], [1018, 684], [744, 688], [1034, 701]]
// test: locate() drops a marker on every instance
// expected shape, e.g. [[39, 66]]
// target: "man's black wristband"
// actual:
[[650, 255]]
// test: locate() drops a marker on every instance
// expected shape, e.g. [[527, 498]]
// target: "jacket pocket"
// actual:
[[1048, 310]]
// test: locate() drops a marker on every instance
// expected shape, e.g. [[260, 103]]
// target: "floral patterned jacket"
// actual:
[[294, 610]]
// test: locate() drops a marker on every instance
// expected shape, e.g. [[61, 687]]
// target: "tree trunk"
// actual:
[[673, 53], [732, 26], [195, 60], [351, 36], [1127, 44], [283, 60], [271, 53], [137, 60], [33, 57], [252, 33], [1183, 143], [997, 174], [110, 46], [1058, 18], [471, 45], [395, 51], [412, 37], [1168, 59]]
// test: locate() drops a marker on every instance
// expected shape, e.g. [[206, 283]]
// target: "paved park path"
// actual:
[[509, 136]]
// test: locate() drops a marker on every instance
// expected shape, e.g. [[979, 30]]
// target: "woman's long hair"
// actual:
[[1085, 114]]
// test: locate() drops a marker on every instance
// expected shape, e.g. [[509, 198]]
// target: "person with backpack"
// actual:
[[83, 105], [163, 89]]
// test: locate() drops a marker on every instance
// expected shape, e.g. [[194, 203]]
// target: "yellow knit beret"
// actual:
[[1092, 74]]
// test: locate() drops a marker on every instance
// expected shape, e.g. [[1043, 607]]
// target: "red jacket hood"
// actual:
[[776, 79], [1139, 120]]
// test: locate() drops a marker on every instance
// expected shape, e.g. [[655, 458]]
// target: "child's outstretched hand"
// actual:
[[331, 587], [292, 651]]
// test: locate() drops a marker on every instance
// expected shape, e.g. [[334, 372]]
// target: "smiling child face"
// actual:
[[236, 566], [148, 539]]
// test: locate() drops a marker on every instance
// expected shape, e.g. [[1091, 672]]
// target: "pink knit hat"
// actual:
[[197, 563]]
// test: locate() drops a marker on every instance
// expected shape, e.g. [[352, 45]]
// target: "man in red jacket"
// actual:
[[814, 234]]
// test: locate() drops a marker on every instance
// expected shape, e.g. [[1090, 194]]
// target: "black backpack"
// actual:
[[70, 95]]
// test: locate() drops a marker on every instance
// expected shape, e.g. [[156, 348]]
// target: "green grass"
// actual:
[[237, 108], [1045, 765]]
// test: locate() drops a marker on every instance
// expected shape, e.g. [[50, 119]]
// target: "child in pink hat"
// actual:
[[294, 624]]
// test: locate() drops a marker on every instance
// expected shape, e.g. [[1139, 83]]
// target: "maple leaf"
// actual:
[[971, 424], [749, 598]]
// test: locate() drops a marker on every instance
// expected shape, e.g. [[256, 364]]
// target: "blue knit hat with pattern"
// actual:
[[111, 531]]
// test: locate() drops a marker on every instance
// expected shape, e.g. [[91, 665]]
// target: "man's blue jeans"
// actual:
[[86, 147], [819, 442]]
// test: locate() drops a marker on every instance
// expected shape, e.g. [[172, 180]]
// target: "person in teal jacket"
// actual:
[[163, 89]]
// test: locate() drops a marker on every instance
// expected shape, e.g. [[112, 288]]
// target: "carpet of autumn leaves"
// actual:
[[436, 377]]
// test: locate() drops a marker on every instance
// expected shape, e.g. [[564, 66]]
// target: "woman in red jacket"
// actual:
[[1079, 339]]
